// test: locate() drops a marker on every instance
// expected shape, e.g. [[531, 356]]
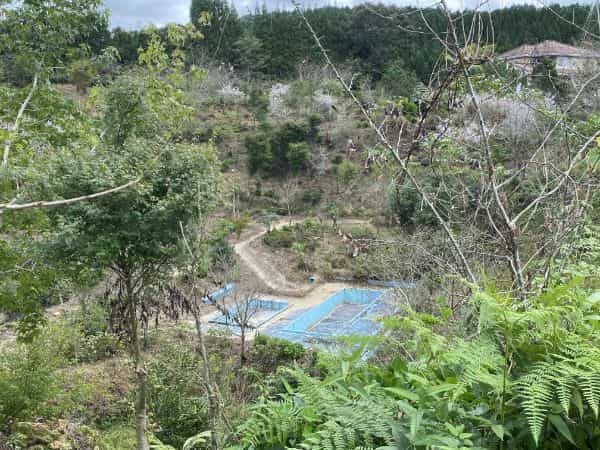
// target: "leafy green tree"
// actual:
[[40, 33], [40, 120], [258, 149], [250, 54], [134, 233], [546, 78], [333, 213], [297, 155], [28, 378], [398, 81], [127, 44], [282, 150], [176, 400], [220, 26]]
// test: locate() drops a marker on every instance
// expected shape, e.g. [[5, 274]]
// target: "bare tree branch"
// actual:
[[15, 128], [384, 141], [11, 206]]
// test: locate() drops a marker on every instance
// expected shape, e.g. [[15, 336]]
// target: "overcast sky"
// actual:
[[138, 13]]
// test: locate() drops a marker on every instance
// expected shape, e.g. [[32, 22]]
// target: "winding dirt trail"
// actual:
[[273, 278]]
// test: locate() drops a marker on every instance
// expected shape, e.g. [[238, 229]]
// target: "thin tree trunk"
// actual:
[[213, 402], [140, 372], [15, 128], [243, 349]]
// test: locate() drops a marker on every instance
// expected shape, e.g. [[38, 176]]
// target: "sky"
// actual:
[[132, 14]]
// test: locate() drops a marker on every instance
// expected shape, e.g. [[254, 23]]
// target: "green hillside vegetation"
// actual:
[[143, 170]]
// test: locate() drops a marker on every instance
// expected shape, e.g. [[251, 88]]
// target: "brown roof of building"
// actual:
[[550, 49]]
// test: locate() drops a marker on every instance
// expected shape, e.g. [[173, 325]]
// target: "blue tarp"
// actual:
[[219, 293]]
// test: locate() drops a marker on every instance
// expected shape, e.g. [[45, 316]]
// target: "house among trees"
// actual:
[[567, 58]]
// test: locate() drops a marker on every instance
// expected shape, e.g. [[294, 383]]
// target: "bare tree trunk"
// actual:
[[140, 371], [213, 401], [243, 343]]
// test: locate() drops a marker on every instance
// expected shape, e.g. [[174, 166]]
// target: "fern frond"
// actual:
[[536, 391], [590, 387]]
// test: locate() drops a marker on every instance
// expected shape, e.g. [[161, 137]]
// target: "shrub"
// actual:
[[99, 346], [312, 197], [282, 238], [298, 155], [310, 228], [270, 353], [345, 172], [176, 400], [90, 319], [226, 164], [39, 435], [337, 159], [258, 102], [399, 81], [240, 224], [28, 378], [405, 204], [87, 335], [282, 150], [118, 438], [362, 232], [258, 149]]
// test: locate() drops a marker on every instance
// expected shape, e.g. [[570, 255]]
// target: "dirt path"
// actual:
[[271, 276]]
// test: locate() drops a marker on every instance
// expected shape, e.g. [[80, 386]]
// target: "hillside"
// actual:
[[339, 228]]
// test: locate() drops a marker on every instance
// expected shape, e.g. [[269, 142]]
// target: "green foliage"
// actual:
[[336, 413], [298, 155], [251, 56], [51, 435], [545, 77], [364, 36], [312, 197], [176, 401], [258, 102], [528, 377], [405, 204], [127, 112], [92, 340], [220, 26], [398, 81], [277, 152], [258, 149], [45, 35], [81, 73], [239, 224], [198, 441], [51, 120], [281, 238], [345, 172], [28, 378], [145, 219], [32, 382], [123, 438], [303, 233], [270, 353]]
